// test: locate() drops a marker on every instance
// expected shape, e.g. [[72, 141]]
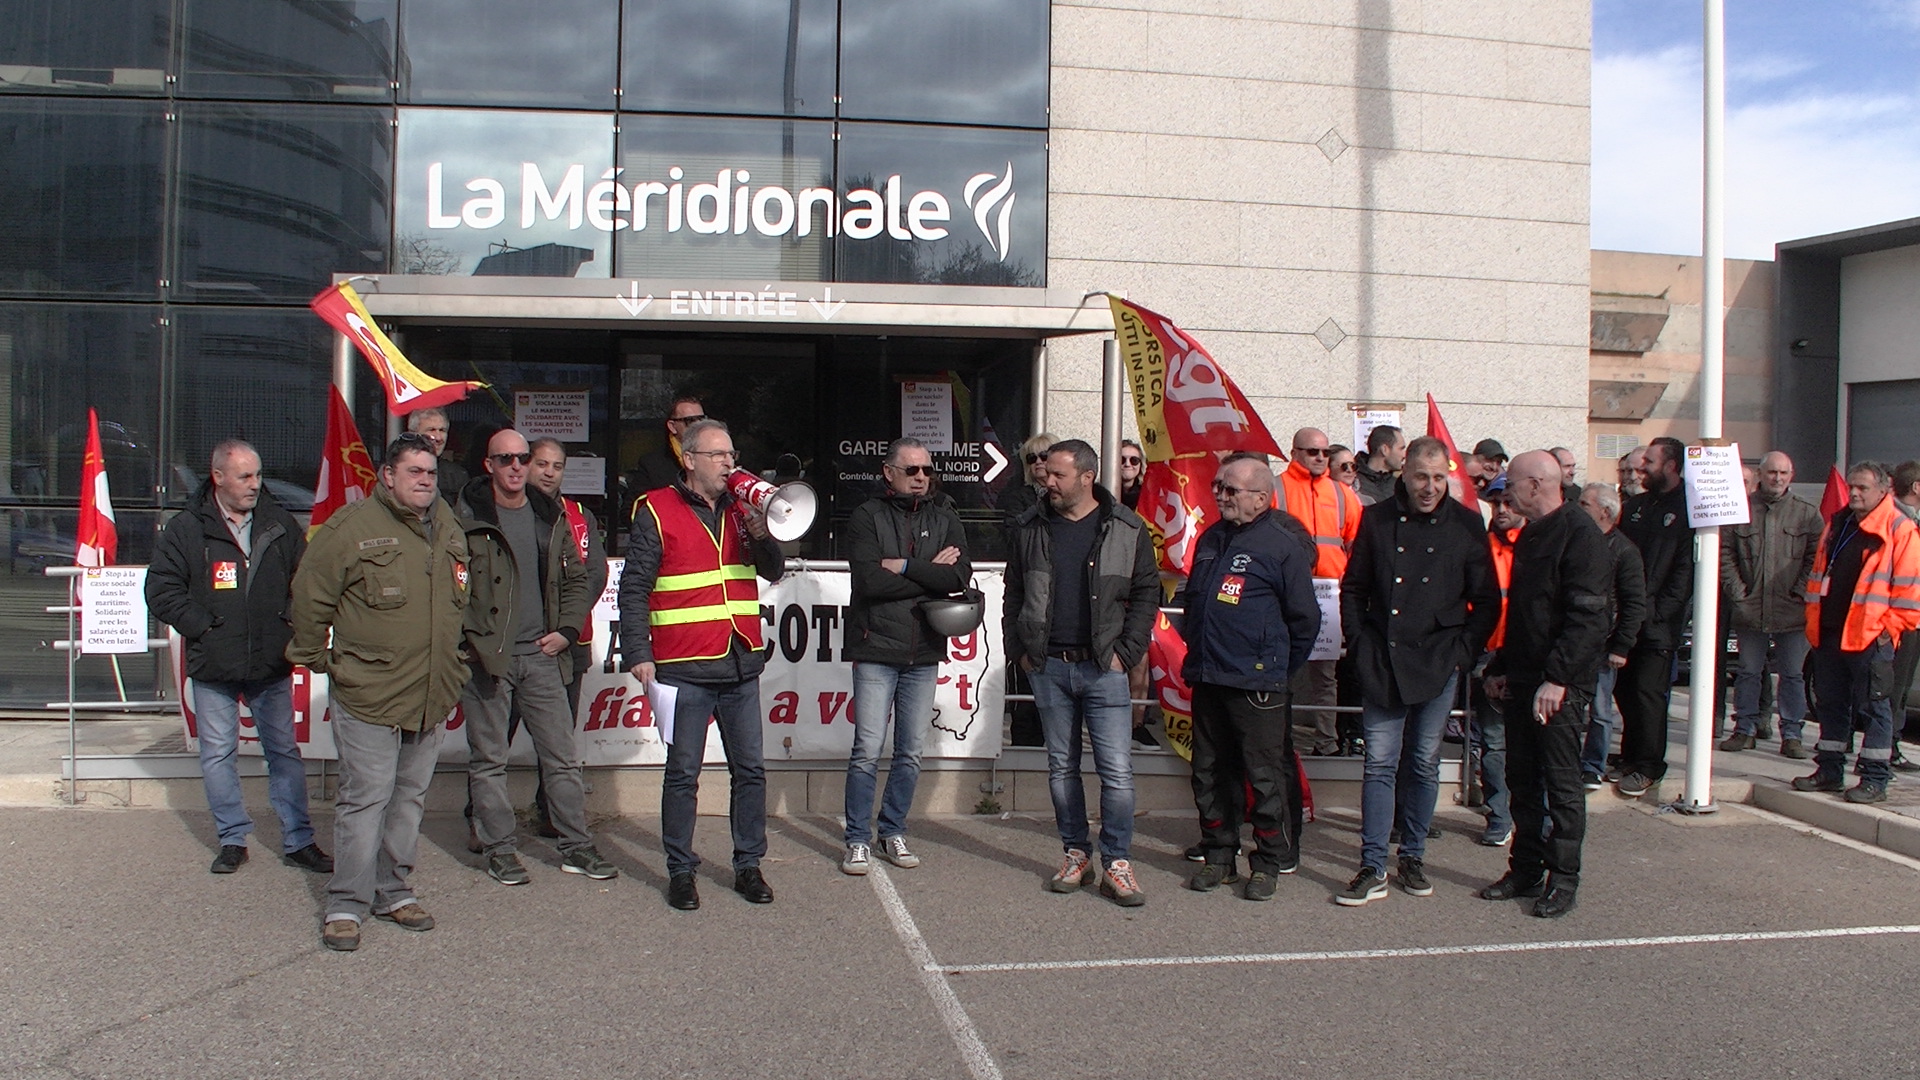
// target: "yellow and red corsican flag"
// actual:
[[1184, 402], [99, 541], [1458, 485], [346, 470], [408, 388]]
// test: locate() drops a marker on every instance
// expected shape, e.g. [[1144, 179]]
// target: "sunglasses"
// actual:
[[1345, 466], [1232, 492], [504, 460], [912, 470], [1129, 461], [1036, 458], [1311, 451]]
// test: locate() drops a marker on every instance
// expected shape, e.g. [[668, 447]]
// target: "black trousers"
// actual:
[[1243, 758], [1644, 692], [1543, 769]]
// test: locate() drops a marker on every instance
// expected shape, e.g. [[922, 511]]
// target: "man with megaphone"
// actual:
[[904, 547], [690, 632]]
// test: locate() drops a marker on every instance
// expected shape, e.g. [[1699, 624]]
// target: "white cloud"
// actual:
[[1803, 163]]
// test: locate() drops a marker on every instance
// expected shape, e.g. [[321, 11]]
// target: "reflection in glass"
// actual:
[[942, 206], [731, 56], [557, 53], [88, 46], [274, 199], [724, 198], [521, 194], [958, 61], [335, 50], [84, 185], [56, 361], [250, 374]]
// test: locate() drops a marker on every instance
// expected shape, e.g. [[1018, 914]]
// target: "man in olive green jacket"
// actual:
[[387, 577], [531, 597]]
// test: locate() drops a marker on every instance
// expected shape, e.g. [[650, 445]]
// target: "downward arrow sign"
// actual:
[[999, 462], [830, 307], [634, 302]]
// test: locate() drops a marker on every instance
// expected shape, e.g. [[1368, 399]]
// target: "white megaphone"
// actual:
[[789, 507]]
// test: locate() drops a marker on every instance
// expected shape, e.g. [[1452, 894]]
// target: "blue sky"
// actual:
[[1823, 121]]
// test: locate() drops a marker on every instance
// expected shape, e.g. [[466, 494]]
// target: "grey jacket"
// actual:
[[1765, 567]]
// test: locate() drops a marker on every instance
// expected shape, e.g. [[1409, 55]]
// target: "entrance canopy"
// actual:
[[737, 306]]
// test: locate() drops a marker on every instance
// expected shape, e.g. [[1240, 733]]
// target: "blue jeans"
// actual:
[[1070, 697], [217, 707], [1790, 662], [1490, 735], [1606, 720], [736, 706], [906, 693], [1421, 726]]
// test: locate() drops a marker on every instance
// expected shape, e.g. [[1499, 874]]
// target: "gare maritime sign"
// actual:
[[729, 204]]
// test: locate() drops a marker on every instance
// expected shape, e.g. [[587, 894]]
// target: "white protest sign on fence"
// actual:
[[1716, 490], [1365, 419], [113, 609], [1327, 646]]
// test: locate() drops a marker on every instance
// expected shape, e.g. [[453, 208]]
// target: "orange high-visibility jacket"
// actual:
[[1502, 545], [705, 592], [1330, 511], [1886, 599]]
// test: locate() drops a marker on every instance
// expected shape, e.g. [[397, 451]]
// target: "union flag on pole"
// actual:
[[1458, 485], [346, 470], [1833, 498], [1184, 402], [408, 388], [1176, 499], [99, 540]]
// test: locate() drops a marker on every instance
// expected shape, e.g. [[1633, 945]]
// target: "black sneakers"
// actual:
[[507, 869], [1556, 903], [1368, 885], [1507, 889], [1260, 885], [587, 860], [310, 858], [1212, 876], [229, 859], [1413, 877]]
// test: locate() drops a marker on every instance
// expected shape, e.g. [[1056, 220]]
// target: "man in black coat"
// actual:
[[902, 547], [222, 576], [1418, 602], [1558, 618], [1656, 521]]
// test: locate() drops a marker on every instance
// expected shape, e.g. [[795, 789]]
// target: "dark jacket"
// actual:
[[1251, 616], [1558, 615], [1015, 501], [1767, 561], [1419, 599], [1657, 525], [1629, 594], [378, 607], [884, 621], [643, 568], [581, 652], [1123, 584], [566, 593], [235, 634], [1374, 487]]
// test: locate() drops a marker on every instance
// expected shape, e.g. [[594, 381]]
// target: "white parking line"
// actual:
[[1428, 951], [959, 1025]]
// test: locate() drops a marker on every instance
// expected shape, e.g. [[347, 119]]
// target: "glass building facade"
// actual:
[[182, 176]]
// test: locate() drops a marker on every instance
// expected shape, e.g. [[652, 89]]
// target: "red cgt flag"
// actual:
[[1176, 499], [1834, 498], [1184, 402], [1458, 485], [99, 541], [408, 388], [346, 470]]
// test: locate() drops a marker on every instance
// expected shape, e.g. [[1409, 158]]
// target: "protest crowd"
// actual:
[[1482, 599]]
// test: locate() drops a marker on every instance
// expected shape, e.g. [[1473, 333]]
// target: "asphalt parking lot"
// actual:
[[1702, 948]]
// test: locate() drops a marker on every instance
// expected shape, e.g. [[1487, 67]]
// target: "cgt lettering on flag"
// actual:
[[1183, 401]]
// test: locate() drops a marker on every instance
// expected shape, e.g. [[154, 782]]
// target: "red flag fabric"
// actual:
[[99, 541], [408, 388], [1166, 653], [346, 470], [1834, 498], [1184, 402], [1458, 485], [1176, 499]]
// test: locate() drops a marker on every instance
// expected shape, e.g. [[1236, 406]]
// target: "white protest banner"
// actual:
[[1326, 590], [558, 413], [926, 413], [113, 609], [1716, 490]]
